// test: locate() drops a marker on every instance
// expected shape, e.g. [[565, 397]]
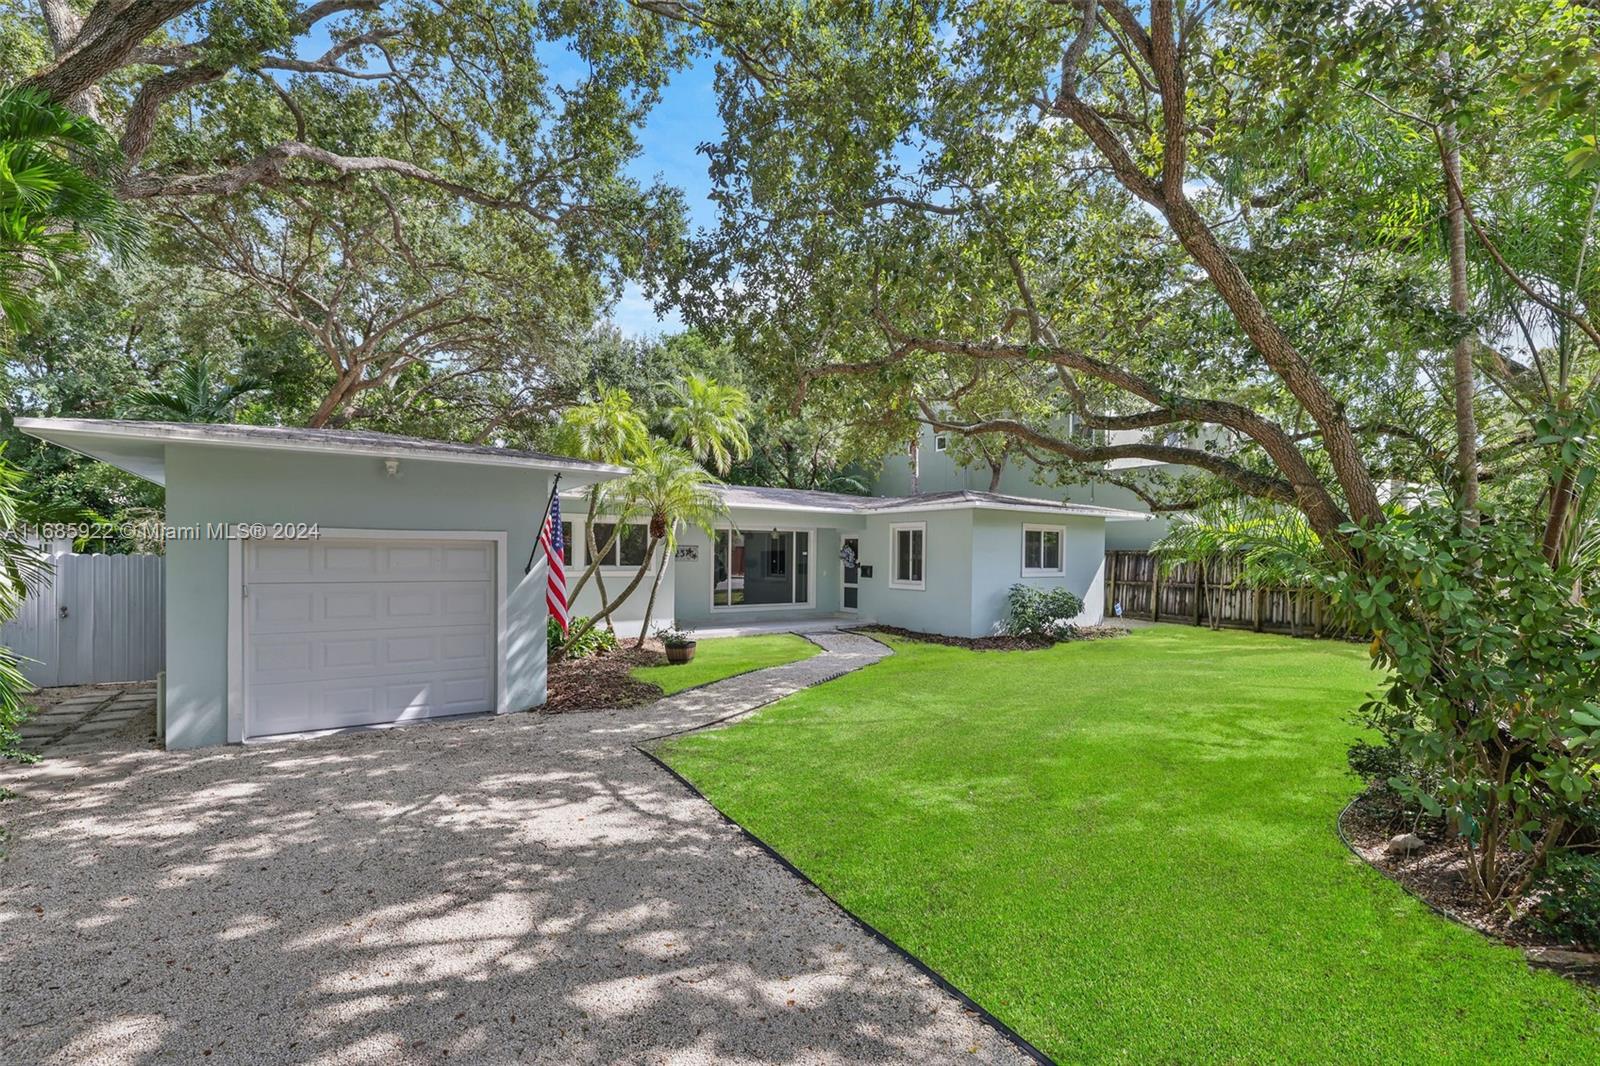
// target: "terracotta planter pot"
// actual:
[[680, 654]]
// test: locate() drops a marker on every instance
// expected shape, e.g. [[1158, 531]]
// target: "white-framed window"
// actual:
[[908, 551], [629, 548], [941, 442], [1043, 550]]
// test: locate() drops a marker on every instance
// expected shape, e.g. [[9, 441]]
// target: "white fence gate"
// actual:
[[98, 619]]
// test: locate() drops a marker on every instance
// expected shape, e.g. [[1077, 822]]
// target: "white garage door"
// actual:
[[360, 632]]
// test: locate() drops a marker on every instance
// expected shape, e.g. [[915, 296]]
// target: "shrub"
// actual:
[[1569, 908], [597, 640], [1492, 672], [1042, 614]]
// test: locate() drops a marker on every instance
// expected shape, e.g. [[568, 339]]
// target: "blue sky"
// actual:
[[685, 119]]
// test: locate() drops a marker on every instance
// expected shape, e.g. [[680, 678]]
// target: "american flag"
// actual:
[[555, 594]]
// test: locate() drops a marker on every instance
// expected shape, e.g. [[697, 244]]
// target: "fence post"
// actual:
[[1155, 588], [1115, 556], [1199, 588]]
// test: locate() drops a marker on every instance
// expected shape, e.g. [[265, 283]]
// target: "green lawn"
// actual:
[[722, 657], [1126, 850]]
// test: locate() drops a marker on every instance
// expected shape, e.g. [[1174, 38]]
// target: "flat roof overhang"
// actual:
[[140, 447]]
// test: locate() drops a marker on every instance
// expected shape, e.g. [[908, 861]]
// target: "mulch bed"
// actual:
[[602, 681], [1437, 875], [991, 643]]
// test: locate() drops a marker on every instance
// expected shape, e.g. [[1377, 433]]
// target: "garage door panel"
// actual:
[[368, 632], [464, 601], [461, 695], [467, 562], [348, 562], [290, 561], [275, 607], [476, 646], [421, 560], [358, 653], [345, 605]]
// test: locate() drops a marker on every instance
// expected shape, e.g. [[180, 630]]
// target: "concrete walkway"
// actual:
[[84, 718], [521, 889]]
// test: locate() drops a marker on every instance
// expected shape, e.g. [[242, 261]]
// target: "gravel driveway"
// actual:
[[528, 888]]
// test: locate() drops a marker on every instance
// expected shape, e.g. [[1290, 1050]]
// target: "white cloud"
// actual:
[[636, 317]]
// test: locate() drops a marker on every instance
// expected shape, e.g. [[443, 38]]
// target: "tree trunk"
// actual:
[[1460, 303], [104, 47], [605, 615], [650, 605], [335, 400], [599, 576], [592, 566]]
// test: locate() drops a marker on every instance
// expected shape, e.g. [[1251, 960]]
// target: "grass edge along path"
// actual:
[[718, 658], [1125, 850]]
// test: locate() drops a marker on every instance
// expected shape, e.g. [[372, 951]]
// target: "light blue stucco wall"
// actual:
[[938, 472], [997, 564], [211, 484], [944, 605]]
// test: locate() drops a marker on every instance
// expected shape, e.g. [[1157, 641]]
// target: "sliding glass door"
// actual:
[[761, 568]]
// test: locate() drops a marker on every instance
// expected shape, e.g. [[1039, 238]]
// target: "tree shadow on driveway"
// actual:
[[527, 888]]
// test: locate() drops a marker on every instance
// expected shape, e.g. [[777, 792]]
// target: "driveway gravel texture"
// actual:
[[529, 888]]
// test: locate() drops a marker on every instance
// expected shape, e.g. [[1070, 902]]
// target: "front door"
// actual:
[[850, 574]]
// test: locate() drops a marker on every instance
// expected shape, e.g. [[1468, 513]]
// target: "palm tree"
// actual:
[[1269, 547], [23, 568], [55, 203], [669, 488], [709, 420], [605, 430], [194, 394]]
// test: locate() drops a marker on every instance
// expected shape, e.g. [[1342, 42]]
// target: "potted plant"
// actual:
[[678, 642]]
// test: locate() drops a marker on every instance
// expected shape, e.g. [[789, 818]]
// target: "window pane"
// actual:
[[1032, 549], [902, 555], [850, 594], [802, 567], [767, 557], [721, 580], [1052, 550], [630, 547], [916, 555], [566, 543], [634, 542], [602, 533]]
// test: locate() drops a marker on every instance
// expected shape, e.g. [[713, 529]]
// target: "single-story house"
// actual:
[[937, 563], [321, 579]]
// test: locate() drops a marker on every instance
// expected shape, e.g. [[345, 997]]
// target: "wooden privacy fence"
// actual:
[[99, 618], [1212, 595]]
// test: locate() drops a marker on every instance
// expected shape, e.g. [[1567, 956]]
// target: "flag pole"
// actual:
[[554, 486]]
